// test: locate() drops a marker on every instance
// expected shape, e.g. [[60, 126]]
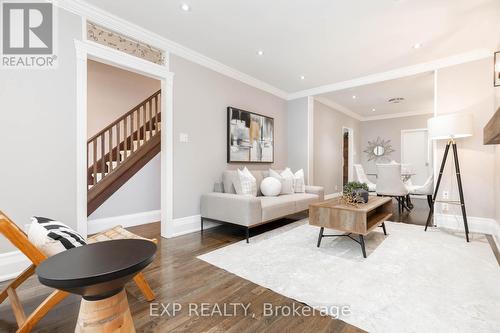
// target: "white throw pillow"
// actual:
[[247, 183], [270, 187], [52, 237], [286, 179], [299, 184]]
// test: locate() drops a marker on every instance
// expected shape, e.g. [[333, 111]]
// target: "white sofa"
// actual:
[[248, 211]]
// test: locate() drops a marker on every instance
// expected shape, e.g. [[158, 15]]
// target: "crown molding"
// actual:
[[397, 73], [115, 23], [398, 115], [339, 108], [352, 114]]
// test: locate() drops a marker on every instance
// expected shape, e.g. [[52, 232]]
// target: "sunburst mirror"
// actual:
[[379, 149]]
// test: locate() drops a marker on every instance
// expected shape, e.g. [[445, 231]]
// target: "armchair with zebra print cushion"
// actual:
[[58, 231]]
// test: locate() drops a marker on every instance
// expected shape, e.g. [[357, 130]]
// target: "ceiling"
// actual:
[[327, 41], [417, 91]]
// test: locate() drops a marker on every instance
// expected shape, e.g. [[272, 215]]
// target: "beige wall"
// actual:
[[328, 137], [37, 136], [468, 88], [201, 97], [298, 145], [111, 92], [387, 129]]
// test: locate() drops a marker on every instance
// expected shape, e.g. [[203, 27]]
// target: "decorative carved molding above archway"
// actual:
[[101, 35]]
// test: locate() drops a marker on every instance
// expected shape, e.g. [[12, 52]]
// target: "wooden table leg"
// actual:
[[110, 315], [320, 235]]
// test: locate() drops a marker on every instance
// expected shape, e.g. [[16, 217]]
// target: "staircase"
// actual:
[[121, 149]]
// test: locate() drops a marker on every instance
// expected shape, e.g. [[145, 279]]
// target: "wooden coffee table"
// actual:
[[99, 272], [359, 220]]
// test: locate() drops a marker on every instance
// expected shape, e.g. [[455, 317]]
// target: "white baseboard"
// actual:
[[332, 195], [480, 225], [132, 220], [12, 264], [185, 225]]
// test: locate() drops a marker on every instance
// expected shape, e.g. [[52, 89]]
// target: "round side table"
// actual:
[[98, 272]]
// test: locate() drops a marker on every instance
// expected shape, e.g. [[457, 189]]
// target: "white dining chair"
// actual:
[[426, 189], [362, 178], [389, 184]]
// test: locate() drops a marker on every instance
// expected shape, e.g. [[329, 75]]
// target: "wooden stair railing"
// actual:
[[121, 149]]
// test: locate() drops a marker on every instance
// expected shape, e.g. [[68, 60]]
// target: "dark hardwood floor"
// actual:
[[177, 276]]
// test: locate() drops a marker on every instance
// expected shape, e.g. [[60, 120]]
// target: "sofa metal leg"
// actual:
[[247, 231], [201, 225]]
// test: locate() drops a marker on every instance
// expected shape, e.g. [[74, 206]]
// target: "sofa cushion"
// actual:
[[247, 184], [286, 179], [276, 207], [258, 178], [229, 178], [302, 200]]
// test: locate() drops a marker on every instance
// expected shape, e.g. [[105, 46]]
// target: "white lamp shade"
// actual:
[[451, 126]]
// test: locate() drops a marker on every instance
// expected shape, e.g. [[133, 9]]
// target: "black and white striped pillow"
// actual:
[[56, 231]]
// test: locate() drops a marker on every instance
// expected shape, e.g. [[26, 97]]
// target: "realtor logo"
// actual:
[[28, 35]]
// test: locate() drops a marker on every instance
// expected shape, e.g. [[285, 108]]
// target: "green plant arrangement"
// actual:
[[351, 186], [351, 193]]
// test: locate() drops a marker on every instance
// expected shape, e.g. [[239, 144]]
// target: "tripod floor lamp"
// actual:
[[450, 127]]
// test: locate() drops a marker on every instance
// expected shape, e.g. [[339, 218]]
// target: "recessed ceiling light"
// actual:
[[373, 110], [185, 7], [302, 77], [417, 46], [260, 52], [354, 97]]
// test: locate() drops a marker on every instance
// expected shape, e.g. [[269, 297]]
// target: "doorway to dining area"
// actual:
[[390, 121]]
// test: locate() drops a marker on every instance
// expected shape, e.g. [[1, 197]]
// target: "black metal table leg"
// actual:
[[362, 243], [320, 235], [383, 227]]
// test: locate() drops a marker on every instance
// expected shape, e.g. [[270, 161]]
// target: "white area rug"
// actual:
[[412, 281]]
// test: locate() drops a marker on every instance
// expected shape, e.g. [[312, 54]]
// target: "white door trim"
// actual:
[[310, 140], [90, 50]]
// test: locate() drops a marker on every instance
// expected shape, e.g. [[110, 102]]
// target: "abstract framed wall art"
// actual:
[[250, 137]]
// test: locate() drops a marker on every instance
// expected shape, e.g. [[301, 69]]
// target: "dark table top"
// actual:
[[97, 269]]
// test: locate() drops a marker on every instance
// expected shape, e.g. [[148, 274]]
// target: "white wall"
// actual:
[[387, 129], [112, 92], [469, 88], [37, 136], [298, 134], [139, 194], [328, 143], [201, 97]]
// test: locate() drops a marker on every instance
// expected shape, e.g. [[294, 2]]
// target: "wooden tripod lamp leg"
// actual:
[[441, 170], [461, 191]]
